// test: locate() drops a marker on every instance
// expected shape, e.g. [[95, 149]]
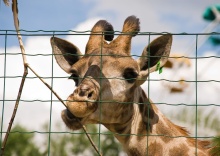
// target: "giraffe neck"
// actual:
[[148, 132]]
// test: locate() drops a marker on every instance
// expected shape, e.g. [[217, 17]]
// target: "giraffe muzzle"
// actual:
[[82, 102]]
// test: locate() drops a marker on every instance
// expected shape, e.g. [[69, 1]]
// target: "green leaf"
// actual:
[[159, 67], [160, 70]]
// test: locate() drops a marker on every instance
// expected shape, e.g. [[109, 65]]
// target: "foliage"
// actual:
[[216, 144], [77, 143], [110, 146], [204, 120], [20, 143]]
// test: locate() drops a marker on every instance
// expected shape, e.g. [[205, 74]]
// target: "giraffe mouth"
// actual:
[[71, 120], [70, 116]]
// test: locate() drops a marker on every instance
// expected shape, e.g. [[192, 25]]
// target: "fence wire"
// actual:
[[185, 93]]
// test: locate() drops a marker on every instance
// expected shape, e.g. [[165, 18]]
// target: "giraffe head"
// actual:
[[106, 75]]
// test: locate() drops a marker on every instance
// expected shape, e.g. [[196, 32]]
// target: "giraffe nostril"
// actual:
[[82, 93], [90, 95]]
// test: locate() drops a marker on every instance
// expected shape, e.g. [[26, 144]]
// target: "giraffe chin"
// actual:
[[77, 112], [71, 121]]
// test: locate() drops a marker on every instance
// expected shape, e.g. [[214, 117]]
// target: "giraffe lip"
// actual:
[[71, 116], [71, 121]]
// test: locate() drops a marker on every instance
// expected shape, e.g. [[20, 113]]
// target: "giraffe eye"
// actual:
[[130, 75], [75, 77]]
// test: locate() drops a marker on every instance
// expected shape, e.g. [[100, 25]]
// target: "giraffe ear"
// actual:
[[65, 53], [157, 51]]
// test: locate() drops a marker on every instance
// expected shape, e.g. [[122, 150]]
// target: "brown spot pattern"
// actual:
[[134, 152], [181, 150], [165, 132], [155, 149], [146, 110], [201, 154]]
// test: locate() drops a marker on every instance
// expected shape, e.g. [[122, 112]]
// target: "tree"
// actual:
[[216, 144], [207, 121], [110, 146], [20, 143], [76, 143]]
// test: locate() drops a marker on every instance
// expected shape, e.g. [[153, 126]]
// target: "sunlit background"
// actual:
[[176, 99]]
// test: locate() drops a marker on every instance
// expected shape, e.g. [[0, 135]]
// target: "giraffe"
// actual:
[[108, 91]]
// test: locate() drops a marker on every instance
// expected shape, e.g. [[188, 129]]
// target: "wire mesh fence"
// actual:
[[186, 92]]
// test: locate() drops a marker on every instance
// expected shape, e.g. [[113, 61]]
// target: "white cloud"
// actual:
[[29, 113], [81, 40], [157, 16], [152, 13]]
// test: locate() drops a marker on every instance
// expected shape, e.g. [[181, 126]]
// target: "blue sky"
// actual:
[[156, 16], [64, 15], [45, 15]]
